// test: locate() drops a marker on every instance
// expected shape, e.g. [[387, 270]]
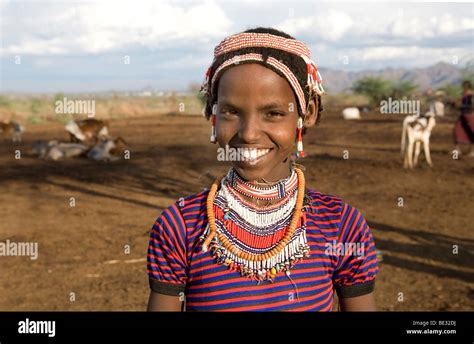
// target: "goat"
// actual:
[[108, 150], [416, 130], [54, 150], [351, 113]]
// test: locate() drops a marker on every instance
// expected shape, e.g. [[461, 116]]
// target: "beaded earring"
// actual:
[[213, 121], [299, 145]]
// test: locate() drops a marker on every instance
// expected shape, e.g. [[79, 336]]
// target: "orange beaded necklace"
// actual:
[[231, 247]]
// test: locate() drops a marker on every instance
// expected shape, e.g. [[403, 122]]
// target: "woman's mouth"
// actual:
[[252, 155]]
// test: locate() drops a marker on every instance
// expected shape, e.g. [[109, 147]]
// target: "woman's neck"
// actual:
[[272, 179], [265, 183]]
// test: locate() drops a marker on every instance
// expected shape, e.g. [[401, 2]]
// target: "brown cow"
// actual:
[[11, 129], [88, 130]]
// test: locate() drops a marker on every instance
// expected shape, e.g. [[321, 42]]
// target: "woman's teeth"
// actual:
[[253, 153]]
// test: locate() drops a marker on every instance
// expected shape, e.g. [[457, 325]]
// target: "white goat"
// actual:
[[54, 150], [416, 130], [351, 113]]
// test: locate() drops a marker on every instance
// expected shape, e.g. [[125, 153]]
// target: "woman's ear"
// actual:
[[312, 113]]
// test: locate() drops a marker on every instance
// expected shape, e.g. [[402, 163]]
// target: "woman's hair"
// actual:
[[468, 83], [295, 63]]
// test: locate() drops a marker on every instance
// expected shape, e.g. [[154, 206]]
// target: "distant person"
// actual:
[[464, 127], [435, 102], [436, 105]]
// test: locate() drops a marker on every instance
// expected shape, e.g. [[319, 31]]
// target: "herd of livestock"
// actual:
[[88, 138]]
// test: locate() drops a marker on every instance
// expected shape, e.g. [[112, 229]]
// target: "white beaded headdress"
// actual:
[[263, 40], [266, 40]]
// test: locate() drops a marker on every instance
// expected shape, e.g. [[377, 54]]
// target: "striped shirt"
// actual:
[[342, 259]]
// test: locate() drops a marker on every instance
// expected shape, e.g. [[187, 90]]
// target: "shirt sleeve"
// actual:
[[166, 258], [357, 258]]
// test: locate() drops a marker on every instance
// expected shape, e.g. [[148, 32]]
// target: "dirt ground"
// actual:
[[96, 249]]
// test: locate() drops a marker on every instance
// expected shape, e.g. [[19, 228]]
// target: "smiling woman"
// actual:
[[258, 239], [258, 115]]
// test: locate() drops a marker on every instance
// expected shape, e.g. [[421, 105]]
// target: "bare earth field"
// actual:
[[97, 248]]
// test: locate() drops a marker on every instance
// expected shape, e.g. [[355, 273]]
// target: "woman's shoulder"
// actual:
[[318, 199], [322, 203], [191, 205], [336, 217], [185, 210]]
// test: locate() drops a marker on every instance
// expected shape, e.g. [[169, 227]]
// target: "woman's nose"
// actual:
[[249, 130]]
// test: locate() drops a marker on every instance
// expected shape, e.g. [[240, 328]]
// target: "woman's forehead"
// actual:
[[253, 80]]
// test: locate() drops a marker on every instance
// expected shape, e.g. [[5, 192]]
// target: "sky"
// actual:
[[87, 46]]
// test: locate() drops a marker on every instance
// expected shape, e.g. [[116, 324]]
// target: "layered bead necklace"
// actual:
[[258, 242]]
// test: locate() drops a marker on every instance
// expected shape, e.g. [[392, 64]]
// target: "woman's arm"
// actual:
[[358, 303], [164, 303]]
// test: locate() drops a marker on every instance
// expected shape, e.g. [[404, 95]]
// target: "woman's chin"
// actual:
[[255, 172], [248, 171]]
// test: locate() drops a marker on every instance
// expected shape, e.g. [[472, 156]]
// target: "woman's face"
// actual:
[[466, 86], [257, 116]]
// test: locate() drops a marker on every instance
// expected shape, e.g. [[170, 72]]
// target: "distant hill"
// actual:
[[430, 77]]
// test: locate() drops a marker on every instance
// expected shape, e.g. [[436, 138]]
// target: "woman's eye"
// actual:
[[276, 114], [229, 112]]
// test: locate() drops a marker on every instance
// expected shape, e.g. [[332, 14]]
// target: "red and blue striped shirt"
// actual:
[[342, 259]]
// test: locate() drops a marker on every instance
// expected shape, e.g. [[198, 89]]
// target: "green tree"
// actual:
[[452, 91], [376, 89], [58, 96], [195, 88], [35, 105], [403, 89], [5, 102]]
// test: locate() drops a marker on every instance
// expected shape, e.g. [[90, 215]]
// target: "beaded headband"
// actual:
[[265, 40]]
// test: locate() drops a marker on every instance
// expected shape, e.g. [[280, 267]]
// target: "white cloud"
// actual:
[[173, 37], [419, 27], [363, 22], [101, 26], [186, 62], [411, 55], [330, 25]]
